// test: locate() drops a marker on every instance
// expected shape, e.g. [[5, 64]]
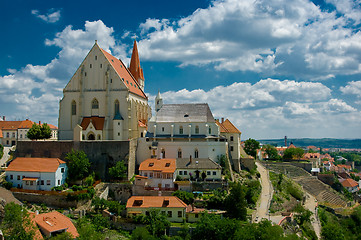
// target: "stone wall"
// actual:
[[49, 200], [248, 163], [102, 154]]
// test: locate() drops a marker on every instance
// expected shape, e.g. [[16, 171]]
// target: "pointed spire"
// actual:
[[158, 95], [134, 66]]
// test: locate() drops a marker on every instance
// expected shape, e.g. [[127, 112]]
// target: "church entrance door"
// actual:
[[91, 137]]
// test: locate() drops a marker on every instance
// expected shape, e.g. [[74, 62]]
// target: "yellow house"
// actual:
[[171, 206]]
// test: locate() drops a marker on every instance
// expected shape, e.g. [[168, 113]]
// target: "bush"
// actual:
[[296, 193], [8, 185]]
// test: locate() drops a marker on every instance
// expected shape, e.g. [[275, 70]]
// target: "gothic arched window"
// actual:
[[95, 104], [179, 153], [196, 153], [73, 108]]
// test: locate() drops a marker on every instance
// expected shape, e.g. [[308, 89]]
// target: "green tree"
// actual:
[[293, 153], [1, 151], [63, 236], [157, 223], [34, 132], [87, 231], [45, 131], [331, 231], [16, 224], [119, 171], [251, 146], [141, 233], [235, 202], [100, 223], [271, 152], [78, 165], [186, 197]]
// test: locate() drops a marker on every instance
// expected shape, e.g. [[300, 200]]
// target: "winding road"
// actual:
[[266, 194]]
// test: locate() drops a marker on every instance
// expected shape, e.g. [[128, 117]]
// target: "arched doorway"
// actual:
[[91, 136]]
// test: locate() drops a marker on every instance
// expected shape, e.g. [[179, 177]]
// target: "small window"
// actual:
[[208, 173], [8, 135], [62, 170], [101, 65], [180, 172], [58, 182], [162, 129], [179, 214], [21, 136], [163, 153], [31, 183], [47, 182], [111, 80], [231, 148], [90, 65], [180, 129], [131, 84], [197, 130], [150, 175], [127, 82], [151, 164], [185, 172], [196, 215], [18, 177], [11, 177], [210, 130], [42, 182], [170, 214], [196, 153], [163, 212], [13, 135], [95, 104], [231, 139], [26, 182], [118, 123], [96, 57], [73, 108], [85, 73], [214, 173], [118, 133], [167, 164]]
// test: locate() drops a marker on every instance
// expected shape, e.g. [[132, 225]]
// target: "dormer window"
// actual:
[[167, 164], [151, 164]]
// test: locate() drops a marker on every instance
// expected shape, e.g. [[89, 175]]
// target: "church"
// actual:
[[104, 100]]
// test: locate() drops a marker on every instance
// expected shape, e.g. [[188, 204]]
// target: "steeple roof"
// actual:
[[134, 66]]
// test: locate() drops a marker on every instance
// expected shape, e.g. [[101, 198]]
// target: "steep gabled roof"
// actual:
[[167, 165], [155, 202], [349, 183], [124, 73], [21, 164], [195, 112], [134, 66], [98, 122], [227, 127]]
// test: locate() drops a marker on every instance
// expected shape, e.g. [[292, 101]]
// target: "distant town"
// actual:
[[117, 168]]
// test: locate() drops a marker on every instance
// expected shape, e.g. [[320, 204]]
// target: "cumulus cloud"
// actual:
[[271, 108], [42, 85], [51, 17], [353, 88], [266, 36]]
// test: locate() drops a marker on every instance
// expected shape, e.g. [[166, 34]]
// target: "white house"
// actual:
[[105, 98], [36, 173], [181, 131]]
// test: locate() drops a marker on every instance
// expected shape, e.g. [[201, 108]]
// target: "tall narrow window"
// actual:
[[73, 108], [179, 153], [197, 130], [95, 104], [231, 138], [196, 153], [90, 65], [180, 129], [210, 130], [163, 153], [116, 107]]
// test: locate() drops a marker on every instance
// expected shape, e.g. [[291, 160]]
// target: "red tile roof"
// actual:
[[21, 164], [30, 179], [10, 125], [55, 221], [98, 122], [141, 124], [349, 182], [167, 165], [125, 74], [134, 67], [227, 127], [1, 133], [155, 202]]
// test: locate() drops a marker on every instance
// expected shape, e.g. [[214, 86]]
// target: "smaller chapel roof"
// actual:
[[98, 122], [227, 127]]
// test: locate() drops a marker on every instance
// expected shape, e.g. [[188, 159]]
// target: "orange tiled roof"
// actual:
[[143, 177], [155, 202], [291, 146], [26, 124], [55, 221], [141, 124], [123, 72], [344, 166], [134, 67], [21, 164], [227, 127], [192, 209], [349, 182], [9, 125], [37, 235], [167, 165], [1, 133], [311, 155], [30, 179], [98, 122]]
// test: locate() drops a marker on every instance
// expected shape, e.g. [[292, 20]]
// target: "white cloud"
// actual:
[[272, 108], [353, 87], [267, 37], [35, 90], [51, 17]]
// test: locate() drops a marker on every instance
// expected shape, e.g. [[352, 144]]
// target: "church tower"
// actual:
[[158, 102], [135, 68]]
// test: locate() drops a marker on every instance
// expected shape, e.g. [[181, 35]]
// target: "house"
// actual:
[[13, 131], [180, 131], [200, 168], [36, 173], [171, 206], [193, 214], [233, 136], [54, 223], [350, 184], [105, 98], [158, 174]]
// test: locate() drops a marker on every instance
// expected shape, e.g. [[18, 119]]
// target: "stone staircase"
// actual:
[[322, 192]]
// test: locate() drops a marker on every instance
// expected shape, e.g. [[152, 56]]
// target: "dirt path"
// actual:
[[266, 195], [5, 157], [311, 204]]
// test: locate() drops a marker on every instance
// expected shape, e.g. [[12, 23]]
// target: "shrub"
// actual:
[[8, 185]]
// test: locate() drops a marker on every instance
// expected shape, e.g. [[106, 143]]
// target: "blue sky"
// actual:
[[271, 67]]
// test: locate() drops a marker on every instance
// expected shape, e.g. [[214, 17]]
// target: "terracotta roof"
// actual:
[[55, 221], [291, 146], [193, 209], [37, 235], [141, 124], [125, 74], [155, 202], [344, 166], [98, 122], [26, 124], [1, 133], [227, 127], [311, 155], [349, 183], [134, 66], [21, 164], [10, 125], [167, 165], [143, 177]]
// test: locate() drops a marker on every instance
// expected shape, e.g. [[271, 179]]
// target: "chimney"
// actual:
[[285, 141], [222, 120], [4, 118], [39, 123], [190, 158]]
